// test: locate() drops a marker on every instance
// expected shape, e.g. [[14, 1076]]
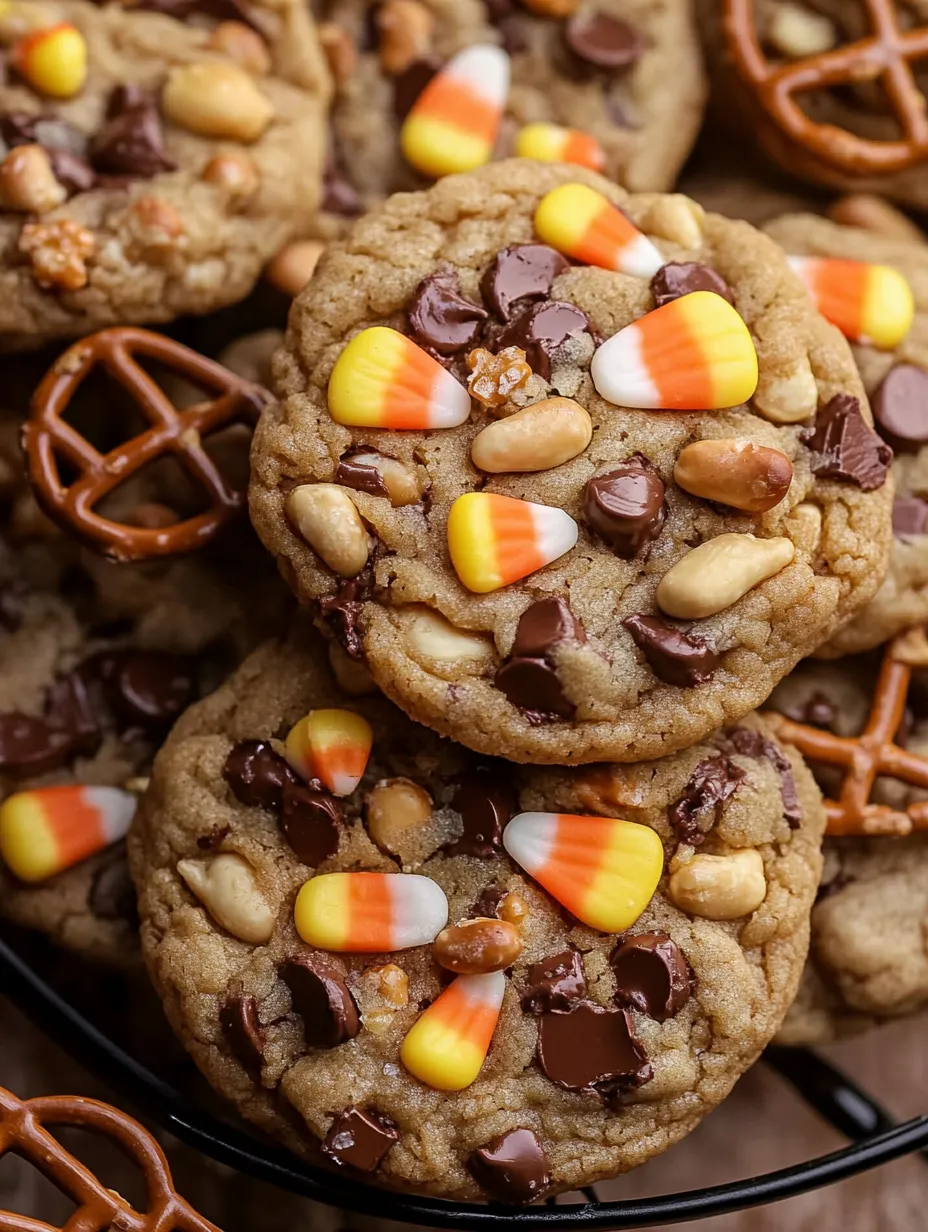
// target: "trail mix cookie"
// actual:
[[486, 501], [148, 164], [853, 275], [349, 916]]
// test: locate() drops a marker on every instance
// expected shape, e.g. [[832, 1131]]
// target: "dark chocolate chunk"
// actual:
[[112, 894], [710, 785], [651, 975], [512, 1168], [321, 998], [257, 775], [486, 802], [751, 743], [602, 40], [845, 447], [359, 1139], [343, 612], [533, 686], [360, 477], [67, 728], [18, 128], [72, 172], [541, 331], [544, 624], [441, 318], [529, 678], [409, 84], [311, 821], [900, 407], [242, 1028], [487, 904], [555, 984], [150, 687], [673, 656], [131, 141], [593, 1050], [626, 507], [678, 278], [518, 273], [910, 516]]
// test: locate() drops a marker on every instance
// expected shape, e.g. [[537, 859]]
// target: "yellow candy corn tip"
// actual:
[[27, 846], [564, 215], [321, 912], [729, 347], [625, 885], [889, 308], [362, 376], [437, 148], [437, 1056]]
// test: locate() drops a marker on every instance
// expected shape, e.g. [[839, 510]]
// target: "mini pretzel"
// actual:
[[46, 436], [886, 55], [871, 754], [23, 1132]]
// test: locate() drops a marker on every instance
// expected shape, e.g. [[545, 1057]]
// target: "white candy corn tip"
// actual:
[[529, 839], [420, 910], [620, 374], [486, 69], [641, 258], [450, 402], [488, 989], [117, 809], [556, 531]]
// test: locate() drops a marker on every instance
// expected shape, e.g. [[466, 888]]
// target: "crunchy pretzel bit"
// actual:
[[59, 252], [494, 378]]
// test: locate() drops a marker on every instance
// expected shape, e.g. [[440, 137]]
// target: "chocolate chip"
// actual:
[[131, 141], [343, 612], [360, 477], [487, 904], [241, 1026], [486, 802], [673, 656], [360, 1138], [408, 85], [112, 894], [541, 331], [910, 516], [257, 775], [73, 173], [626, 507], [67, 728], [602, 40], [532, 685], [321, 998], [512, 1168], [529, 678], [593, 1050], [900, 407], [678, 278], [150, 687], [845, 447], [545, 624], [311, 821], [651, 975], [518, 273], [442, 319], [751, 743], [709, 786], [555, 984]]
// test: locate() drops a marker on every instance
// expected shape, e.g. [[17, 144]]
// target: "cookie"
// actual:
[[537, 570], [148, 166], [896, 379], [578, 1050]]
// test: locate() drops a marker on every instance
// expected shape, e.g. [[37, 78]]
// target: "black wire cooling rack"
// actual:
[[165, 1098]]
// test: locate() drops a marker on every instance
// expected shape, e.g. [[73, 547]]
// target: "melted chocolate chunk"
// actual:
[[603, 41], [486, 803], [673, 656], [512, 1168], [541, 331], [242, 1028], [533, 686], [544, 624], [149, 687], [593, 1050], [311, 821], [678, 278], [651, 975], [343, 611], [900, 407], [626, 507], [518, 273], [529, 678], [67, 728], [487, 903], [131, 141], [359, 1139], [555, 984], [440, 318], [112, 894], [845, 447], [910, 516], [257, 775], [710, 785], [409, 84], [751, 743], [72, 172], [321, 998], [360, 477]]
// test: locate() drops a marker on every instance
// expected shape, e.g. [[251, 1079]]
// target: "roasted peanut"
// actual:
[[720, 887], [788, 397], [401, 481], [876, 215], [719, 572], [27, 181], [235, 171], [513, 908], [798, 32], [328, 519], [216, 100], [394, 808], [474, 947], [227, 888], [340, 52], [737, 473], [244, 46], [291, 268], [677, 218], [536, 438], [406, 28], [428, 634]]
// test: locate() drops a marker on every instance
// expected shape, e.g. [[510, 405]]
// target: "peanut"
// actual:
[[340, 52], [876, 215], [536, 438], [227, 888], [291, 268], [400, 480], [394, 807], [718, 573], [406, 28], [216, 100], [513, 908], [720, 887], [430, 635], [328, 519], [737, 473], [797, 32], [475, 947], [677, 218], [27, 181], [244, 46], [789, 397], [155, 222], [235, 172]]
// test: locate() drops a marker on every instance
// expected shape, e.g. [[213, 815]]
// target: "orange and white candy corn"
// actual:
[[581, 223], [333, 746], [454, 122], [496, 540], [602, 869], [45, 831], [383, 380], [869, 303], [447, 1046], [552, 143], [370, 913], [53, 60], [693, 354]]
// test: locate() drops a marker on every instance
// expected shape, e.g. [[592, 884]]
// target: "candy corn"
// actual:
[[332, 746], [552, 143], [53, 60], [370, 913], [869, 303], [383, 380], [602, 869], [447, 1046], [581, 223], [495, 540], [45, 831], [693, 354], [454, 122]]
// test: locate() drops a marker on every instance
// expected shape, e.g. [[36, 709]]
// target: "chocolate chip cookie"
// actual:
[[148, 164], [488, 474]]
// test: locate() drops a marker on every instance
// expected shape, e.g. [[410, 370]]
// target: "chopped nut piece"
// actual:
[[59, 252], [495, 377]]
